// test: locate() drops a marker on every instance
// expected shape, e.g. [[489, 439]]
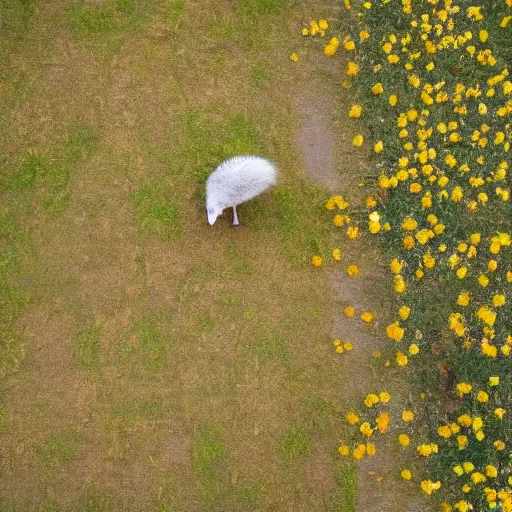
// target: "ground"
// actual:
[[150, 361]]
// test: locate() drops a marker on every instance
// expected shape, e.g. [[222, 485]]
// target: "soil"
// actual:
[[330, 159]]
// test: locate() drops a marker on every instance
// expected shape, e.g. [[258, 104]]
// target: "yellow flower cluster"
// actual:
[[435, 87]]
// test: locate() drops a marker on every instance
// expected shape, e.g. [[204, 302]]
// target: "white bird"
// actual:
[[235, 181]]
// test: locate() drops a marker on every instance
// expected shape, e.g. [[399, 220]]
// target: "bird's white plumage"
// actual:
[[235, 181]]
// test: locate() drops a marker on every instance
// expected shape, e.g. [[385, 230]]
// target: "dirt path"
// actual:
[[330, 159]]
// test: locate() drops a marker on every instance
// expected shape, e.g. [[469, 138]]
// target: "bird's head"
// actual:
[[212, 212]]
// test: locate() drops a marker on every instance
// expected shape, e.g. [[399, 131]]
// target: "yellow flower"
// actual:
[[377, 88], [382, 422], [475, 238], [461, 272], [344, 450], [414, 349], [353, 270], [429, 486], [499, 412], [406, 474], [349, 45], [366, 429], [425, 449], [352, 69], [477, 477], [491, 471], [424, 235], [323, 24], [463, 299], [463, 388], [414, 81], [336, 254], [404, 312], [462, 442], [505, 21], [458, 470], [358, 140], [370, 449], [393, 100], [395, 332], [404, 439], [294, 57], [396, 266], [465, 420], [352, 232], [486, 315], [378, 147], [482, 396], [498, 300], [349, 311], [371, 399], [367, 317], [364, 35], [407, 416], [401, 359], [409, 224], [348, 346], [340, 220], [317, 261], [384, 397], [359, 451], [494, 381], [399, 284], [355, 111], [499, 445], [483, 280], [329, 50], [371, 202]]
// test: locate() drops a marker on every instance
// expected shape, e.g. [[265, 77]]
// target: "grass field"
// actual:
[[148, 361]]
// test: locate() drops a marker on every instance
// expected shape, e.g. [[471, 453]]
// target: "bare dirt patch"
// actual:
[[330, 159]]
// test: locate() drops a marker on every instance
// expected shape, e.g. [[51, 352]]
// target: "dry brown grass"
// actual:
[[213, 349]]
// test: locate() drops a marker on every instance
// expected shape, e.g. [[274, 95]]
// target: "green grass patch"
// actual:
[[293, 444], [12, 348], [208, 456], [126, 6], [299, 214], [80, 144], [4, 420], [208, 143], [174, 10], [347, 485], [51, 506], [258, 7], [58, 449], [133, 412], [273, 348], [87, 346], [26, 172], [156, 213], [96, 499], [258, 76], [144, 343], [250, 495], [95, 20], [15, 16]]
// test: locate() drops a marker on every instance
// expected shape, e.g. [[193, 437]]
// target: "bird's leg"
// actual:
[[235, 217]]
